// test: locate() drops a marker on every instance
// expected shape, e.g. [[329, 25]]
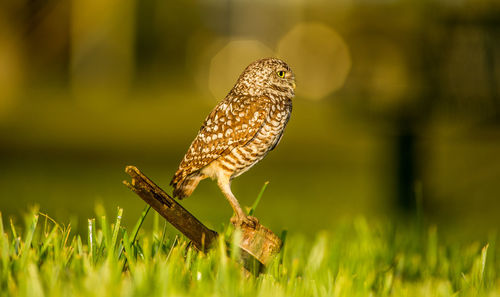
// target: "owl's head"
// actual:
[[269, 76]]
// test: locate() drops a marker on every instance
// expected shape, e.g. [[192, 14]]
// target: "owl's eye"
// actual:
[[281, 73]]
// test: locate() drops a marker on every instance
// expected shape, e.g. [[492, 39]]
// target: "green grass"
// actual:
[[357, 258]]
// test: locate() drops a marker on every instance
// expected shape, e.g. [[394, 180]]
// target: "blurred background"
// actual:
[[396, 111]]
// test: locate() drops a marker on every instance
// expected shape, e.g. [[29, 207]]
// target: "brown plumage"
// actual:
[[240, 131]]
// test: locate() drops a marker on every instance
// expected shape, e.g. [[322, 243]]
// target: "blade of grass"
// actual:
[[92, 240], [69, 251], [105, 233], [48, 239], [79, 246], [1, 223], [127, 247], [484, 254], [114, 238], [139, 223], [28, 239], [172, 247], [256, 203], [47, 217], [163, 234], [66, 233], [136, 229], [13, 229], [4, 245], [156, 223]]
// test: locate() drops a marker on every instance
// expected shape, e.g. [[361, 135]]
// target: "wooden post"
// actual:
[[257, 243], [201, 236]]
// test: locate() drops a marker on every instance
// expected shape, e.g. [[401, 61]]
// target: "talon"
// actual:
[[250, 221]]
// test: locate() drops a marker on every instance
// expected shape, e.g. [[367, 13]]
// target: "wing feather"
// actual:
[[231, 124]]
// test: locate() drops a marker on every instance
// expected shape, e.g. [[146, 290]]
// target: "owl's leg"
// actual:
[[241, 217]]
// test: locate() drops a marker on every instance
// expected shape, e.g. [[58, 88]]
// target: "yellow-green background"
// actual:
[[89, 86]]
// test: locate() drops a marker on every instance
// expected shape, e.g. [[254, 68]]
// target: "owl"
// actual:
[[239, 131]]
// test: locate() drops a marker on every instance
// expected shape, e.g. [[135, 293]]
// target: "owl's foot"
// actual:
[[249, 221]]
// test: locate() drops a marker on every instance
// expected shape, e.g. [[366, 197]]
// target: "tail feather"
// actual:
[[184, 187]]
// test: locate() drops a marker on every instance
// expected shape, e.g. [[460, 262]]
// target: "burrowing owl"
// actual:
[[240, 131]]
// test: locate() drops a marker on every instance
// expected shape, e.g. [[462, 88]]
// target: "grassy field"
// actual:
[[355, 258]]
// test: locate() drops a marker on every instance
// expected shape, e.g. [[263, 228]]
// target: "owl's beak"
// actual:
[[293, 86]]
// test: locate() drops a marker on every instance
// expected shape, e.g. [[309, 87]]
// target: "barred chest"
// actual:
[[243, 158]]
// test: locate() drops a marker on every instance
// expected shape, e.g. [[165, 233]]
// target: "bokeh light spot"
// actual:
[[229, 62], [388, 80], [319, 57]]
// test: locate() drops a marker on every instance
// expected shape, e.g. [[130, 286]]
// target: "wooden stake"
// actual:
[[257, 242], [201, 236]]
